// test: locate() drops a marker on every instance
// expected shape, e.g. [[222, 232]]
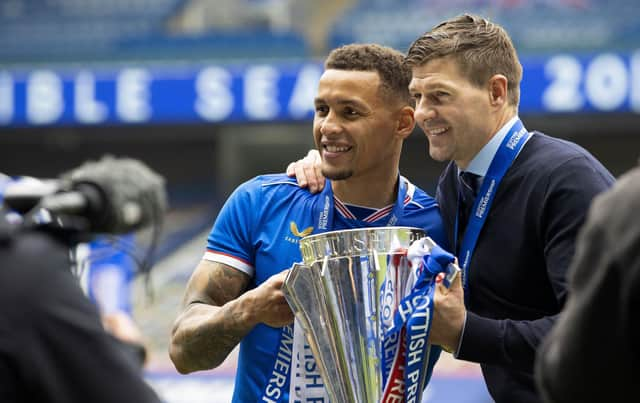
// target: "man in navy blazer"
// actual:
[[512, 202]]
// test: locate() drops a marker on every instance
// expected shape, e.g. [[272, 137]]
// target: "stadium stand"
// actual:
[[41, 31], [535, 26], [73, 30]]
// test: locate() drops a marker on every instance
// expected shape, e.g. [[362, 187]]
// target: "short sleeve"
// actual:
[[231, 240]]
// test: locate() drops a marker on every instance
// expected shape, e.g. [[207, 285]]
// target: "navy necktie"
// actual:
[[468, 189]]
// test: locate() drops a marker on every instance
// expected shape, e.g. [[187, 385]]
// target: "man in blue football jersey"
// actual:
[[362, 116]]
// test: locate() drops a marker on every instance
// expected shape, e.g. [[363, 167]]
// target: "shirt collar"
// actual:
[[479, 165]]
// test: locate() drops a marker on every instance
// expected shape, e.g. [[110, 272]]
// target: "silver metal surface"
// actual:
[[350, 283]]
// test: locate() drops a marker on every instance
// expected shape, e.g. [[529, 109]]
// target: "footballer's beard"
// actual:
[[337, 174]]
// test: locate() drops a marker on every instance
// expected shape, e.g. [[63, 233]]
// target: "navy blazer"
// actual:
[[517, 273]]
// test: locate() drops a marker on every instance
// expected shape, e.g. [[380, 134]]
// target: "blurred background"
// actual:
[[212, 92]]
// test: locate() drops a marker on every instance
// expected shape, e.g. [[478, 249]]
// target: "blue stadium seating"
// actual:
[[123, 30], [61, 30], [535, 25], [43, 31]]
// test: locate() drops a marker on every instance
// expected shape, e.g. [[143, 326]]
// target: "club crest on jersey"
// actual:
[[297, 234]]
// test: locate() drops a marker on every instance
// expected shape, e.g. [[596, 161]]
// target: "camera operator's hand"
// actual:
[[122, 326]]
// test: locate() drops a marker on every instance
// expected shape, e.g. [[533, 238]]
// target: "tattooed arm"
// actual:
[[218, 313]]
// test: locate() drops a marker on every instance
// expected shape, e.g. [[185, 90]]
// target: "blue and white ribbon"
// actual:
[[409, 332]]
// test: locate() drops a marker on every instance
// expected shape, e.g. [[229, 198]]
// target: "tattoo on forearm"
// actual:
[[226, 284], [208, 344]]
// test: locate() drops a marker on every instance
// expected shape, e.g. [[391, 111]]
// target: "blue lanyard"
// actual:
[[323, 209], [506, 154]]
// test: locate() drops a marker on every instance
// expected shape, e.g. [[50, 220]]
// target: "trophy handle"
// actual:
[[288, 288]]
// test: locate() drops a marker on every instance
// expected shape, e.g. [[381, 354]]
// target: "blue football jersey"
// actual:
[[258, 230]]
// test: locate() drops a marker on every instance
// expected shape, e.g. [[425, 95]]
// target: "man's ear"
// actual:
[[498, 90], [406, 122]]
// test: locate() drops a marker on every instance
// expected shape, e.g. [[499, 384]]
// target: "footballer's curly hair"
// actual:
[[394, 75]]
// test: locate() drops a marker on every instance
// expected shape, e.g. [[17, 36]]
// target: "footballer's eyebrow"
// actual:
[[341, 102], [351, 102]]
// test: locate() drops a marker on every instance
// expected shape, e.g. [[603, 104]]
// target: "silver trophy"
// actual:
[[344, 294]]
